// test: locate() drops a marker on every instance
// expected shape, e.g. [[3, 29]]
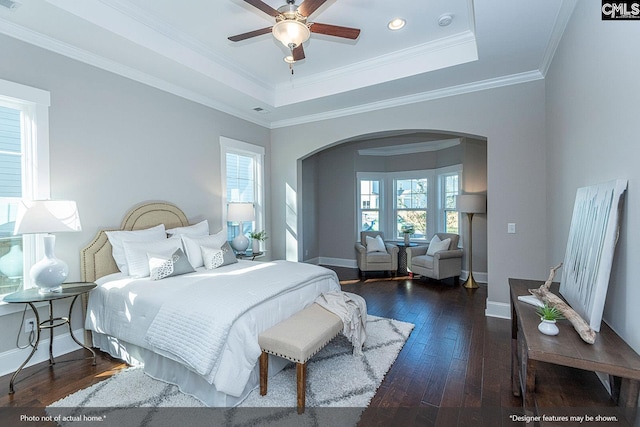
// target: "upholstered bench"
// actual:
[[297, 339]]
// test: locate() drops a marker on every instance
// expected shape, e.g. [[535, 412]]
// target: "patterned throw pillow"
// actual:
[[214, 258], [162, 266]]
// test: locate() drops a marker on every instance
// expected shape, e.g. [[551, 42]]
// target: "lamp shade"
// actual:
[[291, 33], [471, 203], [47, 216], [238, 212]]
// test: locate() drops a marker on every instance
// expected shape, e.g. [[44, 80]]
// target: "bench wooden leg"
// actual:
[[301, 375], [264, 371]]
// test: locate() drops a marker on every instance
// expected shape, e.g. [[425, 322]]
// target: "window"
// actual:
[[450, 188], [243, 176], [411, 206], [369, 205], [24, 173], [423, 199]]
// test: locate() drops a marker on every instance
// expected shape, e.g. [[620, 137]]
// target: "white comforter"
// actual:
[[205, 319]]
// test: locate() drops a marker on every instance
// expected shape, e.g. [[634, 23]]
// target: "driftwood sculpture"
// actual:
[[544, 295]]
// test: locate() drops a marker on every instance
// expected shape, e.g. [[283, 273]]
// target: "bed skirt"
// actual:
[[169, 371]]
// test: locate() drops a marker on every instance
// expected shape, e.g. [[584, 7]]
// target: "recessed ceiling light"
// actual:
[[445, 20], [396, 23]]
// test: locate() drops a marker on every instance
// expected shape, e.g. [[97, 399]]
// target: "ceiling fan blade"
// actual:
[[335, 30], [298, 53], [309, 6], [263, 7], [250, 34]]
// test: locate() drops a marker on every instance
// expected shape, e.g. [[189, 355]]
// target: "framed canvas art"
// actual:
[[589, 255]]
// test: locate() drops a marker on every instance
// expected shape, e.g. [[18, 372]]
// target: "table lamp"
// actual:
[[240, 212], [47, 216], [471, 204]]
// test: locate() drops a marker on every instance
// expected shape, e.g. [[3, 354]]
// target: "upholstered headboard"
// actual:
[[96, 259]]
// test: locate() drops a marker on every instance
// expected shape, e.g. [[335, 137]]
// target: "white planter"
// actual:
[[255, 246], [548, 327]]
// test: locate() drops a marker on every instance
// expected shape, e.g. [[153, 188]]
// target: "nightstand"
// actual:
[[32, 296], [250, 255]]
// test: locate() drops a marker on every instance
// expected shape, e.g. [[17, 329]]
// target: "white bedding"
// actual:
[[241, 299]]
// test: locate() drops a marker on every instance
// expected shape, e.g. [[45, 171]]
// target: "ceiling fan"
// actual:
[[291, 27]]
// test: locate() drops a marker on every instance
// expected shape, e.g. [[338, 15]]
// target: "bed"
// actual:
[[197, 330]]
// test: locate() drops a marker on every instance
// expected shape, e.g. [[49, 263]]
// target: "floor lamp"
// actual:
[[471, 204]]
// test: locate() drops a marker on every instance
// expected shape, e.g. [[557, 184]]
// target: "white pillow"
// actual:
[[375, 244], [192, 246], [116, 238], [162, 266], [199, 229], [136, 253], [437, 245], [213, 258]]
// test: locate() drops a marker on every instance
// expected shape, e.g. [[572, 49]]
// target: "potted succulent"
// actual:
[[548, 316], [256, 238]]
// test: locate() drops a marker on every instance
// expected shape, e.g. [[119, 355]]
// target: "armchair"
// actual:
[[441, 265], [376, 260]]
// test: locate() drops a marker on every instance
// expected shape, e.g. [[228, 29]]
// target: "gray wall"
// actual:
[[331, 196], [592, 137], [512, 119], [115, 143]]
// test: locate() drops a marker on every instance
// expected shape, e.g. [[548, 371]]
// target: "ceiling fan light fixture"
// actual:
[[396, 23], [291, 33], [289, 59]]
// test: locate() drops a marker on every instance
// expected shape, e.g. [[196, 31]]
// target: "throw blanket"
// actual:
[[194, 327], [352, 309]]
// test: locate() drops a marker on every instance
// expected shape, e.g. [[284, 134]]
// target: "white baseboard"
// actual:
[[501, 310], [62, 344], [480, 276], [338, 262]]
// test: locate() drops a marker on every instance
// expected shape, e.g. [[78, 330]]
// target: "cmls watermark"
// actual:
[[620, 10]]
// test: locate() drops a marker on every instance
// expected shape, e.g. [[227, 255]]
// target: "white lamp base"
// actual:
[[49, 273], [240, 243]]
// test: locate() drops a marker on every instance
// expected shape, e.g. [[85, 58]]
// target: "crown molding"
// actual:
[[564, 15], [416, 147], [442, 53], [415, 98], [37, 39]]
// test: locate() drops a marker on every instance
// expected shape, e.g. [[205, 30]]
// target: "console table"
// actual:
[[609, 354]]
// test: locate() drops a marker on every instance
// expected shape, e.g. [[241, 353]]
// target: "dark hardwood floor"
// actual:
[[454, 370]]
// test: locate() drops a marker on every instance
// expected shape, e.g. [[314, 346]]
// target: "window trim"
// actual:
[[370, 176], [257, 152], [435, 197], [442, 173], [34, 103]]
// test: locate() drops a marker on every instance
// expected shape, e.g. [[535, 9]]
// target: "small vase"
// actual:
[[407, 239], [548, 327], [255, 246]]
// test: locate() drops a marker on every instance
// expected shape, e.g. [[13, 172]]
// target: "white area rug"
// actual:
[[335, 379]]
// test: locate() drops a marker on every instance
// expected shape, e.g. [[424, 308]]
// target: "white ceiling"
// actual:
[[182, 47]]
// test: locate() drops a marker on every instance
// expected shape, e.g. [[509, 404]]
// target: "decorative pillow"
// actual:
[[136, 253], [199, 229], [192, 246], [437, 245], [116, 238], [214, 258], [161, 266], [375, 244]]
